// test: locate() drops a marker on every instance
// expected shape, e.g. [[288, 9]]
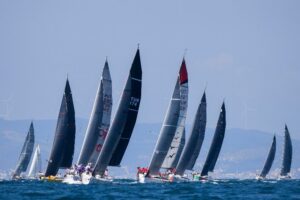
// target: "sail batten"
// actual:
[[26, 153], [192, 148], [216, 144], [123, 123], [287, 154], [270, 159], [99, 121], [62, 151]]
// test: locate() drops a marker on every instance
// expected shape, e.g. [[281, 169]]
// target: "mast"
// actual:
[[99, 121], [216, 144], [124, 121], [36, 163], [26, 153], [61, 155], [270, 159], [287, 153], [170, 137], [192, 148]]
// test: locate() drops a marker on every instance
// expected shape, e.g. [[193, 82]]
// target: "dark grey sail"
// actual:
[[216, 144], [26, 153], [269, 160], [123, 123], [61, 155], [287, 154], [193, 146], [167, 132], [99, 121]]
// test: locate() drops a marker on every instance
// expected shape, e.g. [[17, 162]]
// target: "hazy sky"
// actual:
[[244, 51]]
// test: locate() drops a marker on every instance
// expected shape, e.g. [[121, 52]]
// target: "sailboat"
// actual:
[[122, 126], [99, 121], [35, 170], [269, 161], [215, 147], [172, 134], [178, 141], [287, 156], [96, 132], [25, 155], [192, 148], [62, 151]]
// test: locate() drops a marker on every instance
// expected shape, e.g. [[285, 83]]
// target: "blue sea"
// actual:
[[130, 189]]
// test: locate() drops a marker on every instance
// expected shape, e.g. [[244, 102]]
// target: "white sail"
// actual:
[[36, 163]]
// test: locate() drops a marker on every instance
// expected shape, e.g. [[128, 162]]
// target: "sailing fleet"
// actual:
[[106, 140]]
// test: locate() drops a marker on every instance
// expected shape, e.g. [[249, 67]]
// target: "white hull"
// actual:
[[288, 177], [98, 178], [141, 178], [259, 178], [75, 179]]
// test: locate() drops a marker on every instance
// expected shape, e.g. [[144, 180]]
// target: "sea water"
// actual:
[[130, 189]]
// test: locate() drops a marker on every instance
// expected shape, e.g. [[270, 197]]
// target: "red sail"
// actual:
[[183, 73]]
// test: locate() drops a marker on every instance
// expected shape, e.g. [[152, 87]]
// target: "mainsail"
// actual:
[[61, 155], [269, 160], [178, 141], [36, 163], [26, 153], [170, 136], [123, 123], [287, 154], [99, 121], [216, 144], [192, 148]]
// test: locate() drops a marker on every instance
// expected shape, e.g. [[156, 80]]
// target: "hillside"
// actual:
[[244, 151]]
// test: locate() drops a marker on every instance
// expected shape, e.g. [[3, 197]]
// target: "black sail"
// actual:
[[287, 153], [193, 146], [61, 155], [26, 152], [270, 159], [123, 123], [216, 144]]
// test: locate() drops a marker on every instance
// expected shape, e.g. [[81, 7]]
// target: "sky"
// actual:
[[243, 52]]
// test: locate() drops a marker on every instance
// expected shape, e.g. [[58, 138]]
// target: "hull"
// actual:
[[287, 177], [98, 179], [142, 178], [52, 178], [84, 179]]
